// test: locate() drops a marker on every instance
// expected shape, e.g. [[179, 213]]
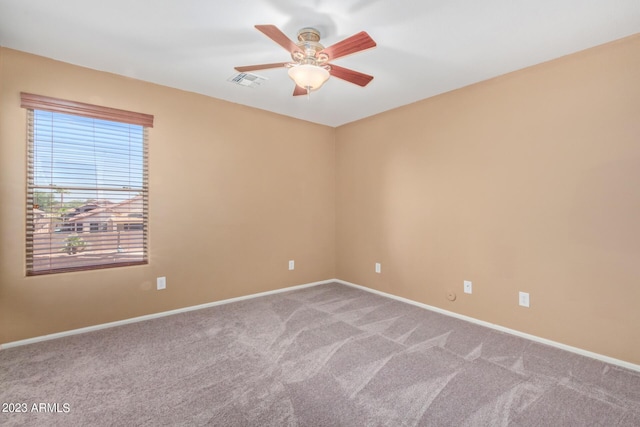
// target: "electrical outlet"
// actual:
[[378, 267], [468, 287], [523, 299], [161, 283], [292, 264]]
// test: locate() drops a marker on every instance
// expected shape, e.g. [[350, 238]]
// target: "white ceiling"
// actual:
[[425, 47]]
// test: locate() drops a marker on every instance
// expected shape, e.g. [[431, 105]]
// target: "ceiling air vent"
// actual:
[[246, 79]]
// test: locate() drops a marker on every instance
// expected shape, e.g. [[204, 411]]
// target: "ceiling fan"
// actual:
[[310, 67]]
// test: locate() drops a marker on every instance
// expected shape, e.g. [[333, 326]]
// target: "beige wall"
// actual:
[[231, 201], [527, 182]]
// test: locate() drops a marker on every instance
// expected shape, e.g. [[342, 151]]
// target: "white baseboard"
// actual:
[[154, 316], [597, 356], [582, 352]]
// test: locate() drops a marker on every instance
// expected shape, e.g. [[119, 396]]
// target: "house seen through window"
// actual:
[[87, 186]]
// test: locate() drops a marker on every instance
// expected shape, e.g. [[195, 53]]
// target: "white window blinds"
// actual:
[[87, 186]]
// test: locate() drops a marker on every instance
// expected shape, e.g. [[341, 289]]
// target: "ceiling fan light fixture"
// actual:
[[310, 66], [309, 76]]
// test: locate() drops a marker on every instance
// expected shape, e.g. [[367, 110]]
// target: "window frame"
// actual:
[[33, 102]]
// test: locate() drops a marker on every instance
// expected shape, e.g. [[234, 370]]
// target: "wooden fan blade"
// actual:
[[278, 36], [352, 76], [353, 44], [299, 91], [260, 67]]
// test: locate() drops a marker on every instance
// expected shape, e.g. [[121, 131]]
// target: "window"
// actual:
[[86, 176]]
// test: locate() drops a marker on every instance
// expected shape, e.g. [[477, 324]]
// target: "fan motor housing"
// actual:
[[308, 34], [308, 42]]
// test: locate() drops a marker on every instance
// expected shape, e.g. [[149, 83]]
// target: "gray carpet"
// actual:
[[330, 355]]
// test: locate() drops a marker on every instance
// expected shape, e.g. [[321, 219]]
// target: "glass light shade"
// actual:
[[308, 76]]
